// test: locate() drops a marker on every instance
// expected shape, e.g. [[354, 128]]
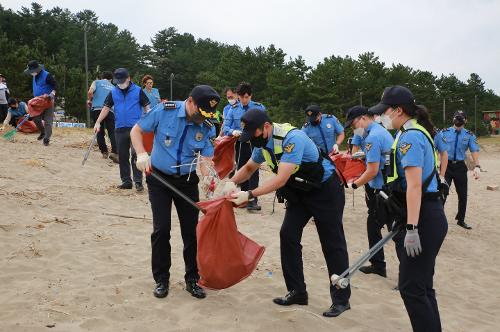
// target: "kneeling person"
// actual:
[[311, 188], [181, 130]]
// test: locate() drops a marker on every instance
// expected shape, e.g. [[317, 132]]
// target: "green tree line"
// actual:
[[283, 84]]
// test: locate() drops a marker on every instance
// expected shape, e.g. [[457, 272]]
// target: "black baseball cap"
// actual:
[[393, 96], [251, 120], [353, 113], [120, 75], [207, 99], [460, 113], [32, 67], [314, 109]]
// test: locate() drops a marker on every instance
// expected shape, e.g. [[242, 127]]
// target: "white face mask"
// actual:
[[33, 74], [377, 119], [123, 85], [359, 132], [232, 101], [386, 121]]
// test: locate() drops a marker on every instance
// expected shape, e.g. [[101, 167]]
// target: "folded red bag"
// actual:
[[225, 256], [349, 169], [224, 155], [38, 105]]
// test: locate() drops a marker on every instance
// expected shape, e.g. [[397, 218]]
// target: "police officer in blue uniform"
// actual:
[[98, 91], [181, 131], [232, 127], [458, 141], [324, 129], [413, 181], [309, 184], [129, 102], [376, 144], [232, 100], [43, 84]]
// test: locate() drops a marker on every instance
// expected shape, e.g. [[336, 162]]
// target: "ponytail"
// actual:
[[421, 114]]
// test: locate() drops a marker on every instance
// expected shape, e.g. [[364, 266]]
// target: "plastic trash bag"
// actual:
[[349, 169], [27, 127], [224, 155], [225, 256], [38, 105]]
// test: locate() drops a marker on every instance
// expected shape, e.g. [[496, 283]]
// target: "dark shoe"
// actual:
[[139, 187], [195, 290], [125, 186], [463, 224], [104, 155], [114, 157], [292, 298], [40, 137], [46, 141], [253, 206], [375, 270], [161, 290], [336, 309]]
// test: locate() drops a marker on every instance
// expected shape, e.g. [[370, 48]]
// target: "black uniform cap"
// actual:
[[393, 96], [207, 99], [353, 113], [251, 120]]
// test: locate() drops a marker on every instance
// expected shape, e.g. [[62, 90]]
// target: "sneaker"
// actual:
[[374, 269], [40, 137], [139, 187], [114, 157], [253, 206], [125, 186]]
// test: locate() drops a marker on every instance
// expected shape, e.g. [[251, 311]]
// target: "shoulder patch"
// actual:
[[306, 124], [404, 148], [289, 147], [443, 138], [329, 116], [368, 146], [169, 105]]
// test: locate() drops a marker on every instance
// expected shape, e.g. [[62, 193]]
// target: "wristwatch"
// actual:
[[250, 195], [410, 227]]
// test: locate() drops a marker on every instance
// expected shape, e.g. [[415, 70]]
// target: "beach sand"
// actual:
[[75, 256]]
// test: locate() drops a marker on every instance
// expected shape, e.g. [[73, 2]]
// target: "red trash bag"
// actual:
[[224, 155], [225, 256], [38, 105], [350, 169], [147, 141], [27, 127]]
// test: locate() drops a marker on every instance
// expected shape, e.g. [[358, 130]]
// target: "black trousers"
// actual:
[[377, 218], [3, 112], [242, 155], [109, 124], [125, 152], [457, 172], [161, 204], [326, 205], [416, 274]]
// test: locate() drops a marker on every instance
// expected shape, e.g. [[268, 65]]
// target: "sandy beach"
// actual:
[[75, 256]]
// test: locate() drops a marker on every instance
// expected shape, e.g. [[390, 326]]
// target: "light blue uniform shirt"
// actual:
[[324, 135], [414, 149], [358, 141], [153, 96], [234, 114], [440, 142], [377, 144], [302, 150], [458, 141], [176, 139]]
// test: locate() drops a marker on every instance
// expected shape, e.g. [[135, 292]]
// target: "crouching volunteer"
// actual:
[[181, 130], [311, 188], [415, 187], [376, 145], [15, 112]]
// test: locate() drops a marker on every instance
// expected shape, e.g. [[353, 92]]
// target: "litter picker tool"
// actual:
[[10, 134], [86, 156], [343, 280]]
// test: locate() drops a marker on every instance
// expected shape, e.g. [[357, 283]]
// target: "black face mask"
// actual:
[[459, 121], [313, 121], [197, 118], [259, 141]]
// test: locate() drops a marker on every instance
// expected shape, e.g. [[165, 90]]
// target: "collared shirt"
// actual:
[[153, 96], [234, 114], [458, 141], [324, 135], [298, 148], [358, 141], [377, 144], [440, 142], [177, 140], [414, 149]]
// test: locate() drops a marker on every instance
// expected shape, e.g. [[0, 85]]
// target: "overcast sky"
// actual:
[[443, 36]]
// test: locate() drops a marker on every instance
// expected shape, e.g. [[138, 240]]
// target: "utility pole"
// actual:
[[86, 72], [361, 98], [171, 87], [475, 114], [444, 112]]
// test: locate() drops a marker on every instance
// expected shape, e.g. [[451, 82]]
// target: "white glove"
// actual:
[[358, 155], [335, 148], [229, 188], [236, 133], [143, 162], [412, 243], [239, 197], [477, 172]]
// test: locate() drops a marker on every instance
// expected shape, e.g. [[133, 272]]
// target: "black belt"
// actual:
[[455, 161]]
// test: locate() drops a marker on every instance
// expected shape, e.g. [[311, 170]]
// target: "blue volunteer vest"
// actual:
[[102, 89], [40, 86], [128, 109]]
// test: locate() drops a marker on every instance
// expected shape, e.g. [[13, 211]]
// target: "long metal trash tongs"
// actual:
[[86, 156]]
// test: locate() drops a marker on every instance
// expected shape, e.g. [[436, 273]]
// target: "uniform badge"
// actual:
[[368, 146], [328, 125], [198, 137], [289, 147], [213, 103], [168, 141], [404, 148]]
